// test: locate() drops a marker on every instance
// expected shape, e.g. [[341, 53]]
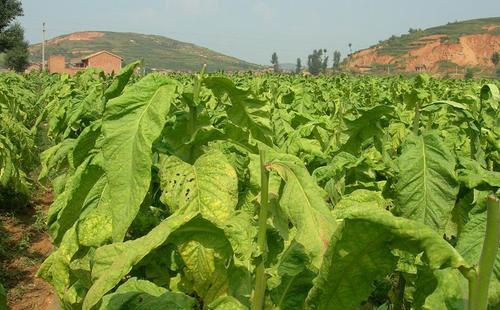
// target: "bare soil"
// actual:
[[77, 36], [24, 245], [470, 50]]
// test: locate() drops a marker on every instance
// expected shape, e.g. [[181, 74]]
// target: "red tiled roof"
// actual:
[[95, 54]]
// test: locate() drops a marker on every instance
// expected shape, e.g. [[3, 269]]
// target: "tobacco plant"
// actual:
[[273, 192]]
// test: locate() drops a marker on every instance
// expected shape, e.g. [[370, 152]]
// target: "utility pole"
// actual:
[[349, 56], [43, 47]]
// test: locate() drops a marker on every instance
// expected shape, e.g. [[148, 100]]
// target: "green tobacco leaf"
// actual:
[[205, 251], [55, 156], [95, 223], [241, 231], [427, 186], [120, 81], [3, 297], [92, 229], [440, 289], [227, 303], [112, 262], [85, 143], [66, 209], [130, 125], [362, 197], [295, 279], [245, 110], [473, 175], [360, 252], [141, 294], [210, 186], [490, 93], [365, 126], [56, 271], [303, 202], [470, 244]]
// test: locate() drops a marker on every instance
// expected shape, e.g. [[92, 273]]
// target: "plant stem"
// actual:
[[400, 293], [479, 276], [489, 251], [193, 108], [471, 276], [260, 276], [416, 119]]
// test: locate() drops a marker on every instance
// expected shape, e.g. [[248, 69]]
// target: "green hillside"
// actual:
[[398, 45], [158, 52]]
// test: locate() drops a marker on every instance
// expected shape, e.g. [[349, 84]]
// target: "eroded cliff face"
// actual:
[[77, 36], [434, 53]]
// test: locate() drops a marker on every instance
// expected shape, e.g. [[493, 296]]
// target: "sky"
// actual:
[[253, 29]]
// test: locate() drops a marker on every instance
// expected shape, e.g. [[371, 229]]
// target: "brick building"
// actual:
[[104, 60]]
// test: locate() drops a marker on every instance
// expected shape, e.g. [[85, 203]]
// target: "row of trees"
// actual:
[[317, 62], [495, 59], [13, 46]]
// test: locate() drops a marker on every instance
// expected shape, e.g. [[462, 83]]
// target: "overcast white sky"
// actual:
[[253, 29]]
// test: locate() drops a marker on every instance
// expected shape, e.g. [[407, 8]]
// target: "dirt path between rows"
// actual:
[[24, 245]]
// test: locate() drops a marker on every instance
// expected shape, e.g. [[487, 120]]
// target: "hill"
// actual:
[[157, 51], [444, 49]]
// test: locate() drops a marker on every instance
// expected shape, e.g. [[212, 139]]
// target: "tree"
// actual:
[[495, 58], [298, 67], [17, 57], [12, 41], [316, 63], [336, 60], [9, 10], [275, 63], [324, 66], [469, 74]]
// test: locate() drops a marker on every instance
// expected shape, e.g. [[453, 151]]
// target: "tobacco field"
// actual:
[[212, 191]]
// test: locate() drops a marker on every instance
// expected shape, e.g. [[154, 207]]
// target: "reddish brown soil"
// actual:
[[491, 27], [77, 36], [23, 246], [469, 51]]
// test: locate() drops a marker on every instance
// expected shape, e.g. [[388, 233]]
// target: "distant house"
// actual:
[[421, 68], [104, 60], [363, 68]]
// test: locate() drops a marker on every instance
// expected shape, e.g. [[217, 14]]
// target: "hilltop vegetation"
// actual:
[[158, 52], [443, 49], [449, 33]]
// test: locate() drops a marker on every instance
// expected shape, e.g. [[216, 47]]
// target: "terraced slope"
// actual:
[[442, 49]]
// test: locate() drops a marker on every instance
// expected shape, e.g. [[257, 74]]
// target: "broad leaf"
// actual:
[[244, 110], [440, 289], [130, 125], [120, 81], [470, 244], [427, 186], [67, 207], [114, 261], [141, 294], [205, 252], [295, 280], [360, 252], [303, 202], [210, 186]]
